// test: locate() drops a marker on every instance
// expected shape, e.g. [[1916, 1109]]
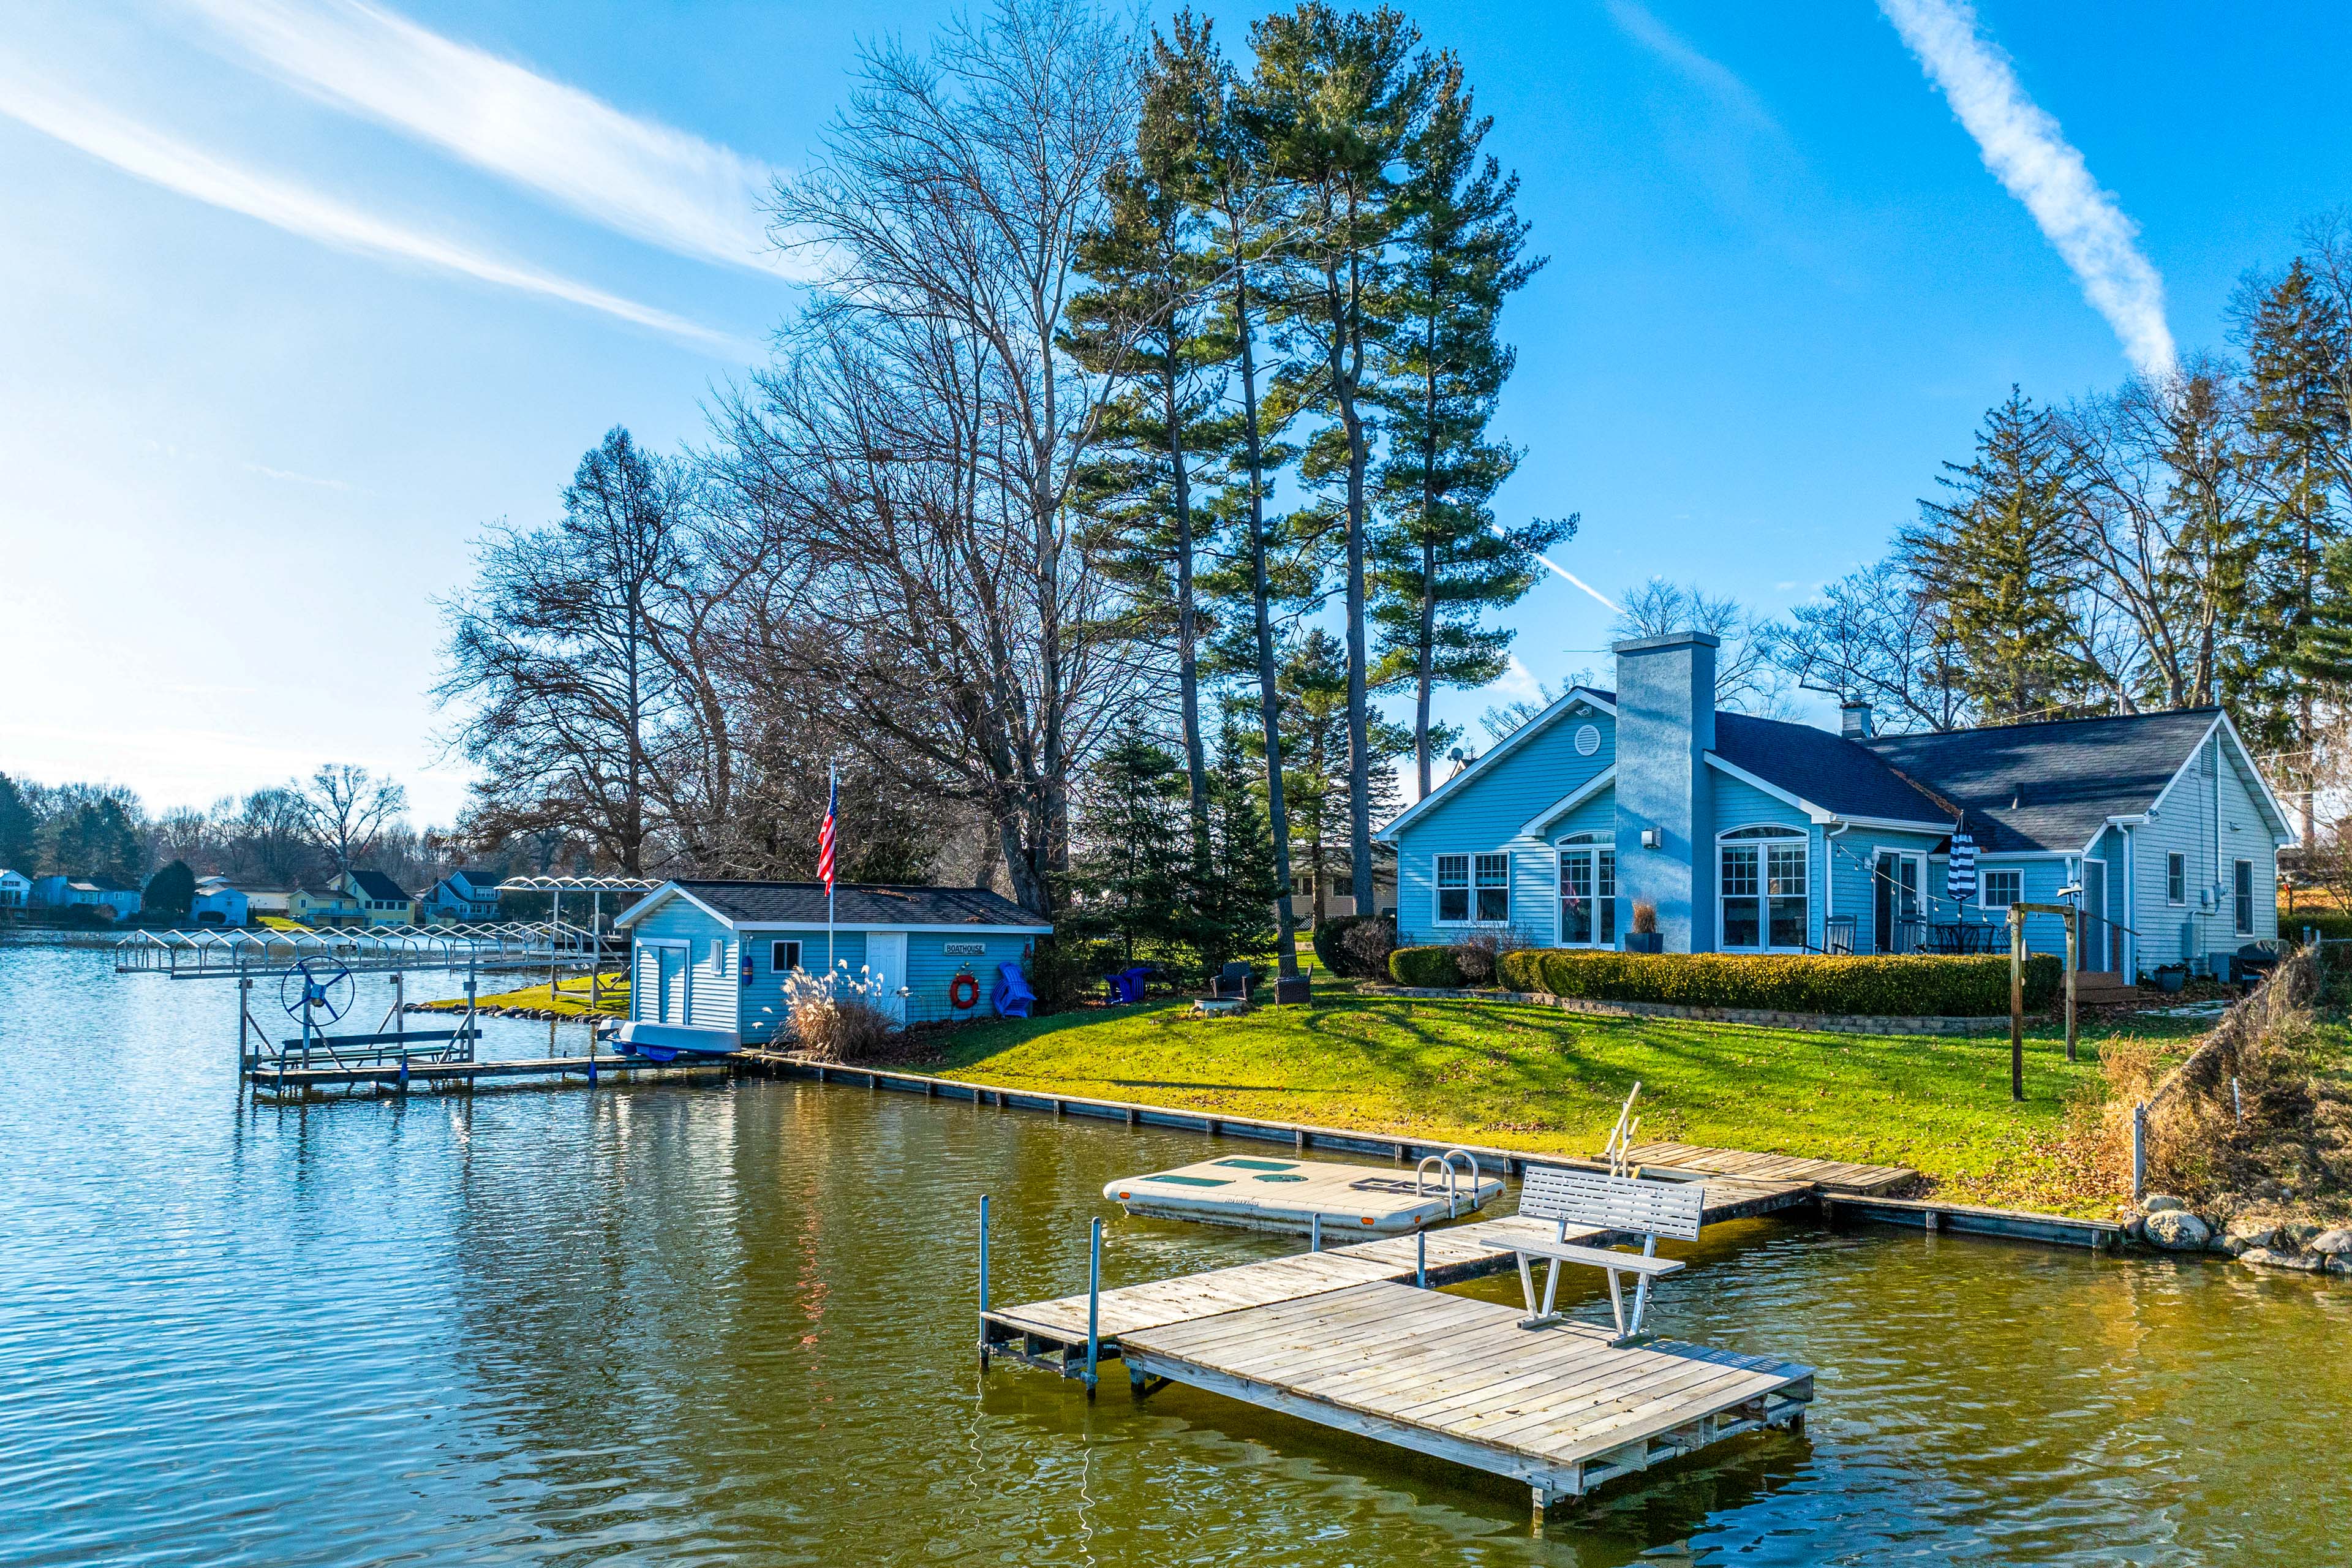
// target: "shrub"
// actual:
[[1919, 986], [1424, 966], [839, 1017], [1476, 953], [1333, 951], [1063, 969], [1368, 947]]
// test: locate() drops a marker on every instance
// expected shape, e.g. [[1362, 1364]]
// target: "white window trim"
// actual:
[[1438, 889], [1477, 887], [1596, 846], [2170, 855], [1984, 873], [798, 948], [2253, 919], [1781, 834]]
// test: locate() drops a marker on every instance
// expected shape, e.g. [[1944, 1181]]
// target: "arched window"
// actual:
[[1762, 878]]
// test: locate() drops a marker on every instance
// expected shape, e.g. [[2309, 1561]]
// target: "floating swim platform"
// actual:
[[1258, 1193]]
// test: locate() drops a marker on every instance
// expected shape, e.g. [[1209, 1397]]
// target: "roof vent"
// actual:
[[1853, 720], [2016, 796]]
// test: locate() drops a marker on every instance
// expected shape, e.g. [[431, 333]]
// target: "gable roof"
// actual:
[[1828, 770], [376, 885], [803, 904], [1450, 789], [2052, 786]]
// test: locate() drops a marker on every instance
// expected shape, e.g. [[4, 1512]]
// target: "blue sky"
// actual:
[[295, 295]]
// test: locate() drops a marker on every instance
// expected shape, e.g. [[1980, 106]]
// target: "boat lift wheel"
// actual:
[[307, 991]]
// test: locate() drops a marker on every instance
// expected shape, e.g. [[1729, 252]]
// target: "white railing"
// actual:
[[378, 950]]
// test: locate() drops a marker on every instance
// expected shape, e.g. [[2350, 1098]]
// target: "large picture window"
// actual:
[[1453, 890], [1762, 880], [1494, 889]]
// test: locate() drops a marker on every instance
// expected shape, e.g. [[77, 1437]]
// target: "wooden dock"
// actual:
[[1457, 1379], [1836, 1176], [271, 1077]]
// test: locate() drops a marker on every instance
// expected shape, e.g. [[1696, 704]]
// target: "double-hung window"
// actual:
[[2000, 889], [2176, 877], [1453, 890], [1762, 883], [1494, 889], [2241, 884]]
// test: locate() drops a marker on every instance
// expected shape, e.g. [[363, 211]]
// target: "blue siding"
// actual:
[[762, 1001], [709, 982], [1484, 813], [930, 971]]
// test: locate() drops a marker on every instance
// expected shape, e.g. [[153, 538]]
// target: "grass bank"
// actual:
[[568, 1000], [1535, 1078]]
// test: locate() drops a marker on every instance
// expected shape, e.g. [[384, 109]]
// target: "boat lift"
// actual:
[[314, 971]]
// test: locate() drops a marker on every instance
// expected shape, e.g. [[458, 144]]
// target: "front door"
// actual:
[[886, 964], [1895, 897], [1588, 898], [673, 984], [2096, 944]]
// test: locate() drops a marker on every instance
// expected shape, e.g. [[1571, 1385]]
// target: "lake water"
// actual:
[[672, 1324]]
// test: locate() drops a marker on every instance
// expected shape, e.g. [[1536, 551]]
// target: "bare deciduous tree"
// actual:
[[345, 810]]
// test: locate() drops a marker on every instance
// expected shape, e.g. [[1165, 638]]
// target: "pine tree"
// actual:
[[1316, 754], [1999, 560], [1342, 98], [1145, 318], [1441, 562], [1133, 877], [2297, 343], [170, 892], [19, 830], [1234, 904]]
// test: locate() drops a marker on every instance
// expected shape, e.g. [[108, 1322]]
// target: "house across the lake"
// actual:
[[471, 894], [15, 889], [1753, 835], [715, 953]]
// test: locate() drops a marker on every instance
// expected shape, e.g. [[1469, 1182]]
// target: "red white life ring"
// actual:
[[963, 992]]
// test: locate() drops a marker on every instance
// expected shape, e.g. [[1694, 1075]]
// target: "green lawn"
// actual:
[[1535, 1078], [571, 1001]]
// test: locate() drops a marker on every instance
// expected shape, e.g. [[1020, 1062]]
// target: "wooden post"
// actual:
[[244, 1017], [1420, 1259], [2139, 1151], [2016, 1003], [2073, 955], [1315, 1233]]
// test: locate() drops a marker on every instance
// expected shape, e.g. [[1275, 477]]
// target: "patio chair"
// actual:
[[1011, 997], [1595, 1200], [1234, 982], [1127, 985]]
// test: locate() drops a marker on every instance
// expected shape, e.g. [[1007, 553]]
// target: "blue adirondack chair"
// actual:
[[1126, 985], [1012, 998]]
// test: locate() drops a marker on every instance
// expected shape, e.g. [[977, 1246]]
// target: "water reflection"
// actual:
[[686, 1322]]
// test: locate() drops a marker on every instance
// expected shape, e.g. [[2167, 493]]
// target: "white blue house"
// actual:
[[1755, 836], [220, 903], [471, 894], [713, 954], [15, 889]]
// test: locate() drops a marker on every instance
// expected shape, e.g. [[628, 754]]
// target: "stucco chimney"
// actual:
[[1665, 727], [1853, 720]]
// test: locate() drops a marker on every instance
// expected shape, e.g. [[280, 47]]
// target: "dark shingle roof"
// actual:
[[804, 903], [1828, 770], [376, 885], [2054, 785]]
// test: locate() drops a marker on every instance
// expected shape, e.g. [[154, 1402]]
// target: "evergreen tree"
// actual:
[[1316, 754], [1234, 904], [1999, 560], [1343, 99], [97, 839], [170, 892], [1133, 877], [19, 830], [1145, 318], [1441, 562]]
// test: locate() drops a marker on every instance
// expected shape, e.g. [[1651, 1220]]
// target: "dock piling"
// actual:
[[1315, 1233], [1420, 1259], [983, 1281], [1094, 1301]]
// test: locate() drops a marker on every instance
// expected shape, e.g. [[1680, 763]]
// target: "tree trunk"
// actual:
[[1188, 676], [1346, 346], [1269, 692]]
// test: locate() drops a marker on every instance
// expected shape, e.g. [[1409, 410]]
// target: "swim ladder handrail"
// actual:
[[1445, 1162]]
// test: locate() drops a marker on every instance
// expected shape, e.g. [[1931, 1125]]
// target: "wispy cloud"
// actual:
[[286, 476], [2024, 148], [1710, 75], [154, 157], [642, 178]]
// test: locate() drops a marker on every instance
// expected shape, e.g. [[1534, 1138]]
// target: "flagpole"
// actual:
[[832, 800]]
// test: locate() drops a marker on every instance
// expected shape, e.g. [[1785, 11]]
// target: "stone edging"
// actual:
[[1823, 1023]]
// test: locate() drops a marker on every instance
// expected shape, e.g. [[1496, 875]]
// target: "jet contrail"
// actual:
[[1579, 582], [2026, 151]]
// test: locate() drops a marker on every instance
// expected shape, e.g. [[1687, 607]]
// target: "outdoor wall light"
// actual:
[[1651, 838]]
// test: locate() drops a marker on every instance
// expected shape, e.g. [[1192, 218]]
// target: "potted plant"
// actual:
[[2171, 978], [1644, 937]]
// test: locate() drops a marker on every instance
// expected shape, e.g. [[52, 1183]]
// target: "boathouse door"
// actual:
[[673, 985], [886, 960]]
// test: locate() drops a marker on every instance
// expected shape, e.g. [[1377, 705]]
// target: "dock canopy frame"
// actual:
[[215, 955]]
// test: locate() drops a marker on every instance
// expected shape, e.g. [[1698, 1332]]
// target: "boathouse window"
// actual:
[[2000, 889], [1761, 890], [1494, 889], [2176, 877], [2243, 887], [787, 957], [1453, 889]]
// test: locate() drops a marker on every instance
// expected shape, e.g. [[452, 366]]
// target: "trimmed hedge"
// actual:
[[1424, 966], [1330, 944], [1910, 986]]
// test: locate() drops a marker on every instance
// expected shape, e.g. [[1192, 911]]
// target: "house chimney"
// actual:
[[1854, 719], [1665, 727]]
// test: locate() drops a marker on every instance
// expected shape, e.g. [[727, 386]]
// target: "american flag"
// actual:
[[824, 835]]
